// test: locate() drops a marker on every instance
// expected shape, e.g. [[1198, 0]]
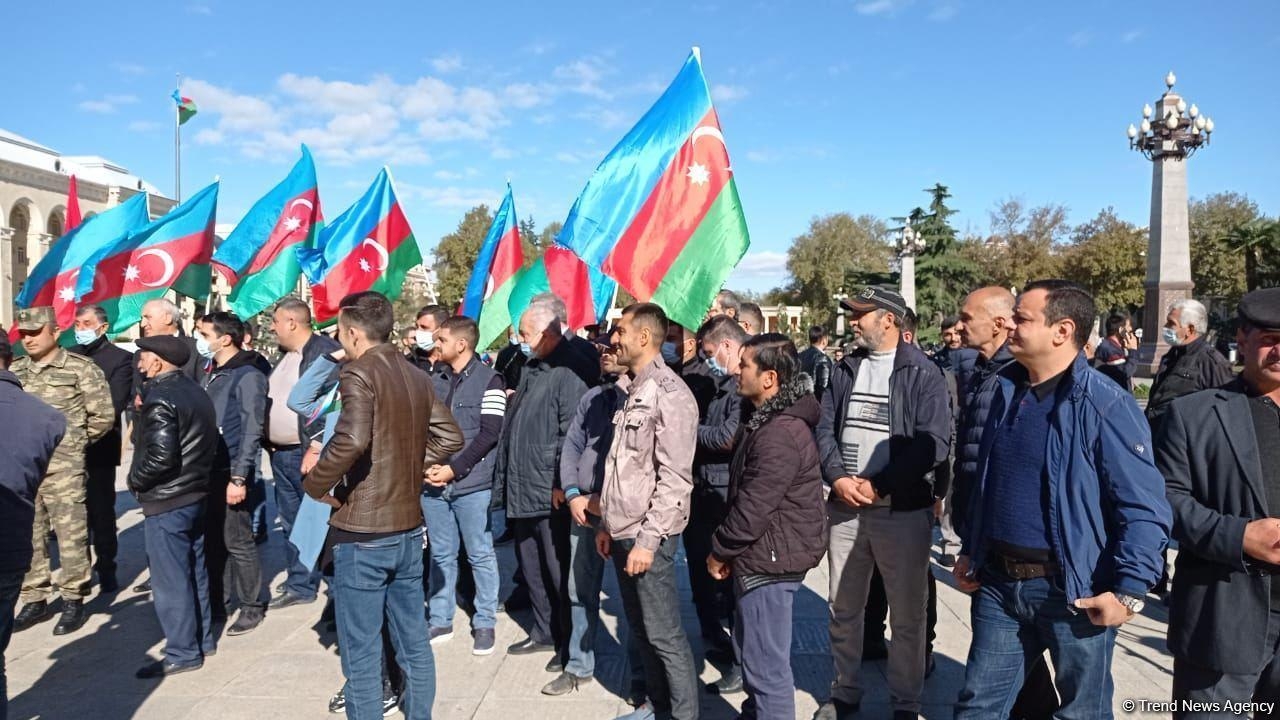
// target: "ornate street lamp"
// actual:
[[909, 244], [1178, 130]]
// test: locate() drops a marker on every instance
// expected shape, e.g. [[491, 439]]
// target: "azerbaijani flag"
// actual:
[[141, 266], [368, 247], [587, 293], [55, 279], [661, 213], [73, 206], [494, 276], [258, 257], [186, 107]]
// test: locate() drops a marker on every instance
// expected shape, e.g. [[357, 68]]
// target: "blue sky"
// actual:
[[826, 106]]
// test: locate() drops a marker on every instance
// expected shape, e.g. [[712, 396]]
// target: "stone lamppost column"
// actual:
[[910, 244], [1170, 133]]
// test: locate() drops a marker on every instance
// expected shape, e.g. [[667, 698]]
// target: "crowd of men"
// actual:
[[1019, 441]]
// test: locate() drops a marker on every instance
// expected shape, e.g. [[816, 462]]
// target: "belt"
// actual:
[[1023, 569], [281, 448]]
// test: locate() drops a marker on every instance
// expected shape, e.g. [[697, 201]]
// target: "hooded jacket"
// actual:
[[238, 389]]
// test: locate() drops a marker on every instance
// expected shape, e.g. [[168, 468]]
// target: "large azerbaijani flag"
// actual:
[[661, 213], [368, 247], [123, 276], [500, 259], [56, 278], [587, 292], [258, 257]]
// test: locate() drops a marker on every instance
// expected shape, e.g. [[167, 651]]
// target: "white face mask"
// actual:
[[1171, 336], [84, 337], [424, 340], [202, 346]]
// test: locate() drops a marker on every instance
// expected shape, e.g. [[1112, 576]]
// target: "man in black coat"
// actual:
[[103, 457], [1191, 363], [1219, 451], [177, 441]]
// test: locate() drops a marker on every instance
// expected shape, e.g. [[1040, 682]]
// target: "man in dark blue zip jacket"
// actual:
[[1067, 518], [238, 389]]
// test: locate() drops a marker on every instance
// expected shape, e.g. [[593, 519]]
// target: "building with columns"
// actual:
[[33, 198]]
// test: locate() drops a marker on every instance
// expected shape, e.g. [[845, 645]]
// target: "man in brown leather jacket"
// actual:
[[390, 428]]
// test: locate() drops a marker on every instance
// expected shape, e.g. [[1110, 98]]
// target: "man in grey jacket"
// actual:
[[645, 504]]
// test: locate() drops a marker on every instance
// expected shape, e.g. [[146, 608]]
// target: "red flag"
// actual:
[[73, 206]]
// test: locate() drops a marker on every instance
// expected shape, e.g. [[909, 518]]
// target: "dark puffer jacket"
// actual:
[[177, 441], [1183, 370], [975, 405], [777, 521]]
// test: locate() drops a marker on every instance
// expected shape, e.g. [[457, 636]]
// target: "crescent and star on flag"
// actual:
[[381, 252], [698, 173]]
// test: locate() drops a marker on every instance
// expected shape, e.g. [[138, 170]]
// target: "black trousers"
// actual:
[[1195, 682], [542, 549], [231, 554], [100, 502], [713, 599]]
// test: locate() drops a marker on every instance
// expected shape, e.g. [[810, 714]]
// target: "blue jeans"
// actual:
[[286, 468], [10, 587], [762, 641], [371, 580], [586, 574], [465, 519], [179, 583], [1014, 621]]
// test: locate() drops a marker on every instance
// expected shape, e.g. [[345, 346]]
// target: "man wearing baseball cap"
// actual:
[[886, 423], [1219, 451]]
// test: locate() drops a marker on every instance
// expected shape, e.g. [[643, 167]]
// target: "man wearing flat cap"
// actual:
[[74, 386], [1219, 451], [172, 458]]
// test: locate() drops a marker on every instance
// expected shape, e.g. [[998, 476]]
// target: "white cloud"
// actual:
[[500, 152], [604, 117], [728, 93], [880, 7], [944, 12], [108, 104], [446, 64], [199, 9], [583, 76], [569, 158], [762, 265], [446, 175], [128, 68], [539, 48], [760, 156], [525, 95], [144, 126], [450, 197], [1080, 38], [1131, 36]]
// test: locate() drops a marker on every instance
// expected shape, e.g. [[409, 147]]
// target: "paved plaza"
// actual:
[[288, 668]]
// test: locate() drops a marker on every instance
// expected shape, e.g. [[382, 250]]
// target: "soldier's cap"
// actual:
[[1261, 308], [34, 319], [170, 348], [874, 297]]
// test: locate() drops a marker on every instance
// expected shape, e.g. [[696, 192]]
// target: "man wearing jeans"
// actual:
[[456, 498], [1067, 519], [27, 447], [644, 506], [288, 434], [886, 423], [390, 429]]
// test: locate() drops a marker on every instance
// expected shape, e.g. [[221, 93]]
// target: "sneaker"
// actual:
[[644, 712], [390, 703], [338, 703], [482, 641], [440, 635]]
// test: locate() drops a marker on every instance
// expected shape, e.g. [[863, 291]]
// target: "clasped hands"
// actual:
[[854, 491]]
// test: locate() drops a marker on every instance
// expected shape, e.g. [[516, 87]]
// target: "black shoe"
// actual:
[[143, 587], [565, 684], [390, 702], [280, 588], [836, 710], [247, 621], [636, 696], [721, 655], [284, 600], [875, 650], [730, 682], [73, 616], [555, 664], [329, 614], [32, 614], [947, 560], [107, 583], [528, 646], [163, 668]]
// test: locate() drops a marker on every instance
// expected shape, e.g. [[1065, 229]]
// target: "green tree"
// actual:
[[457, 252], [1023, 244], [944, 275], [1107, 256], [1218, 270], [1256, 239], [835, 248]]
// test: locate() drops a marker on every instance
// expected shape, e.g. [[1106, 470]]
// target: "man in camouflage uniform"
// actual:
[[74, 386]]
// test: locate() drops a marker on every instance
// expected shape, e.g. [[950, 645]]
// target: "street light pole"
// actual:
[[1168, 135], [910, 244]]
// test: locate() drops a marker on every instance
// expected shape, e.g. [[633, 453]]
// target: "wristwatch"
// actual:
[[238, 482], [1132, 602]]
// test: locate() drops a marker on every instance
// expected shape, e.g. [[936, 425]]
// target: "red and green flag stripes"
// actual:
[[258, 258], [186, 107], [368, 247], [587, 293]]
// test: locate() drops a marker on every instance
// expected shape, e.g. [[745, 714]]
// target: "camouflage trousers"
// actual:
[[60, 505]]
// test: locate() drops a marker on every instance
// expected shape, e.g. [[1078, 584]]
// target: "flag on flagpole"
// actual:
[[123, 276], [186, 107], [494, 277], [661, 213], [586, 292], [368, 247], [73, 206], [258, 257]]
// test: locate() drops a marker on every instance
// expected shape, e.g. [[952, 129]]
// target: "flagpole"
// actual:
[[177, 141]]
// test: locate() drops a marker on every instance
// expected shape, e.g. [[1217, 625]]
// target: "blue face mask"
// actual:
[[716, 368], [203, 347], [84, 337], [670, 354], [1171, 336], [527, 350], [424, 340]]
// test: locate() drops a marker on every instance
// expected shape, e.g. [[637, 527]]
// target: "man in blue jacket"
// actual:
[[26, 447], [1067, 518]]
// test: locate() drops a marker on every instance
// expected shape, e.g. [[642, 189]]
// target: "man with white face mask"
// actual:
[[1191, 364], [423, 351]]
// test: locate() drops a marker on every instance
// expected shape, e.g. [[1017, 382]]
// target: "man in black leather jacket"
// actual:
[[177, 441]]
